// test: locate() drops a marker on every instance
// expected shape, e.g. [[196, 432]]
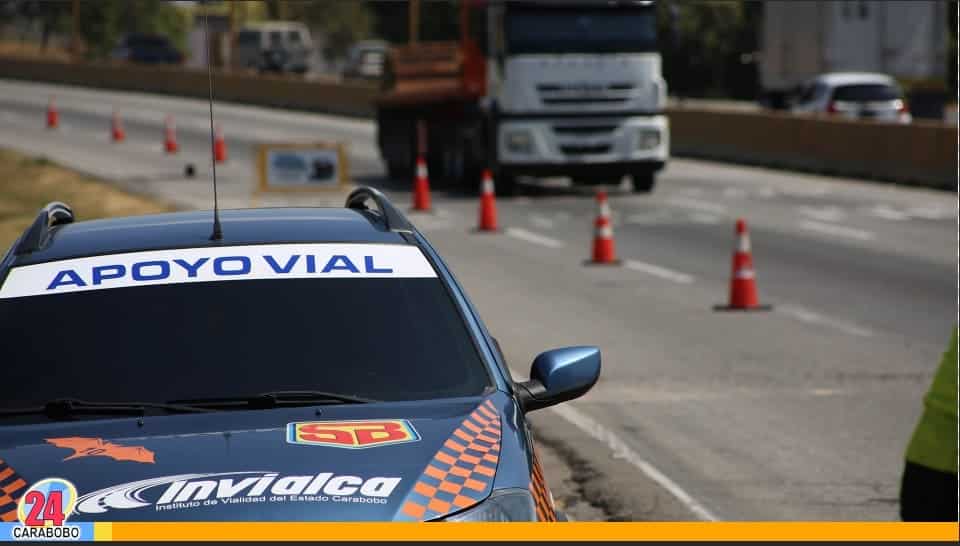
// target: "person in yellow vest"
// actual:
[[928, 491]]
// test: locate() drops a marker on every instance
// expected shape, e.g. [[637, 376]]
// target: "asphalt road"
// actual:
[[799, 413]]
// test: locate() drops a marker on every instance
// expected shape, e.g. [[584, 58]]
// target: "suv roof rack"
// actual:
[[393, 219], [53, 214]]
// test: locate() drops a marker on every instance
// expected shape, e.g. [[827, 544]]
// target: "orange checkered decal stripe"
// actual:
[[461, 472], [541, 494], [12, 487]]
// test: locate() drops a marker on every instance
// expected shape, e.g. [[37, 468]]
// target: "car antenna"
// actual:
[[217, 232]]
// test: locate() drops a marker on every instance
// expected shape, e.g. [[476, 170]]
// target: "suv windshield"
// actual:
[[866, 93], [376, 338], [580, 31]]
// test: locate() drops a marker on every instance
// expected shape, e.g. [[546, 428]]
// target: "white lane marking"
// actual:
[[658, 271], [888, 213], [838, 231], [541, 222], [932, 212], [824, 214], [535, 238], [704, 218], [697, 204], [812, 317], [622, 451]]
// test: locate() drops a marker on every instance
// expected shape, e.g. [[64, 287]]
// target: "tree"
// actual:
[[341, 22], [438, 20], [102, 23], [707, 47]]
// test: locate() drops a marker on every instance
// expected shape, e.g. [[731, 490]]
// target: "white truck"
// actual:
[[800, 40], [533, 88]]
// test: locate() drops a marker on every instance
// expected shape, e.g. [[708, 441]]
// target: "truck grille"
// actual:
[[584, 130], [583, 149], [585, 93]]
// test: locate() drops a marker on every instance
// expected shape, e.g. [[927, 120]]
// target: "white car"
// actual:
[[855, 95], [274, 46]]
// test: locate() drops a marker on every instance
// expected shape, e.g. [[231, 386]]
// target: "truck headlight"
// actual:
[[502, 505], [519, 141], [648, 139]]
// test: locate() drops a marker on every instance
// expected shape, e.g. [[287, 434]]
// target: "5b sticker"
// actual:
[[352, 434]]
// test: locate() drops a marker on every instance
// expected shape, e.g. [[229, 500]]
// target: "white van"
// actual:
[[275, 46]]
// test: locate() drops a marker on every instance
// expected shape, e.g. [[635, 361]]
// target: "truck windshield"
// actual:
[[383, 339], [580, 31]]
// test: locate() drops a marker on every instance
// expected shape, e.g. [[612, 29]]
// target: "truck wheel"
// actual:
[[396, 171], [643, 182], [505, 184], [454, 166]]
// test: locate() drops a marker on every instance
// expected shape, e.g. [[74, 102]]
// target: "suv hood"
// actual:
[[371, 462]]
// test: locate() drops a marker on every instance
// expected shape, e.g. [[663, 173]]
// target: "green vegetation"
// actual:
[[708, 47], [341, 22], [101, 24], [29, 183]]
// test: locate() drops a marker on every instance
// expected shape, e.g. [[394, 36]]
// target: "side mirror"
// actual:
[[559, 375]]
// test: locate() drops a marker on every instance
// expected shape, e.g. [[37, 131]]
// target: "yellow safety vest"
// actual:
[[934, 441]]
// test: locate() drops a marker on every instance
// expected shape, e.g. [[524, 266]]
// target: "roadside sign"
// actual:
[[302, 167]]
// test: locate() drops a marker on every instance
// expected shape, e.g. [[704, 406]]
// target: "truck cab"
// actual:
[[534, 88], [577, 91]]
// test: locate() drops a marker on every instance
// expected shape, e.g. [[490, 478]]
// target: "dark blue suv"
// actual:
[[312, 364]]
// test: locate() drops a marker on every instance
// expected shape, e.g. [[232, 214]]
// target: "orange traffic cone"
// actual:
[[170, 136], [488, 203], [743, 286], [53, 117], [421, 187], [603, 246], [116, 128], [219, 146]]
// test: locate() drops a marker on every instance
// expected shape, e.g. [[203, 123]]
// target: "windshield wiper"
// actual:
[[63, 408], [276, 399]]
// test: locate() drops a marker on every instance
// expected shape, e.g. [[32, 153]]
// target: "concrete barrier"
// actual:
[[921, 153], [331, 96]]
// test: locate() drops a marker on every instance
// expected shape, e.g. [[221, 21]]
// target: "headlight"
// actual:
[[519, 142], [648, 139], [502, 505]]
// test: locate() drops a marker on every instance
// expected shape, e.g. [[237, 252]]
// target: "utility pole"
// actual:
[[413, 18]]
